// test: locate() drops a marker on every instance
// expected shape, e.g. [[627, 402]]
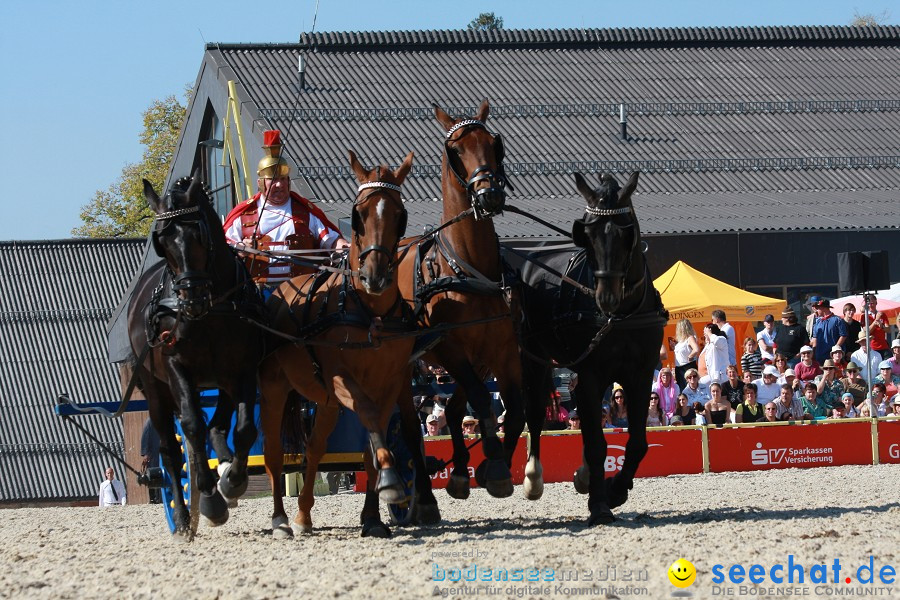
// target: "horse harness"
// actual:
[[484, 201]]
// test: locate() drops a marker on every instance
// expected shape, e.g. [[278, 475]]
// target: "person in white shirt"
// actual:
[[867, 360], [718, 317], [767, 386], [766, 339], [112, 491], [716, 355]]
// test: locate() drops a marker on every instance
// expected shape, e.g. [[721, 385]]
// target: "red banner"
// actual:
[[789, 446], [889, 441], [670, 452]]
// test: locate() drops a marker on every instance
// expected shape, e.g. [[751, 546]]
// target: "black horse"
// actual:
[[188, 327], [596, 310]]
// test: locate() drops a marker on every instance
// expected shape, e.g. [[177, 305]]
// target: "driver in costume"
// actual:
[[278, 219]]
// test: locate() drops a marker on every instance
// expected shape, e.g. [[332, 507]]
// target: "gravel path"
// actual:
[[816, 515]]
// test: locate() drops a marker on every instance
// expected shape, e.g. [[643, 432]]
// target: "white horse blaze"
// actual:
[[379, 209]]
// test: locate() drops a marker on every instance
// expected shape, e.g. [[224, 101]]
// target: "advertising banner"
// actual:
[[889, 441], [789, 446]]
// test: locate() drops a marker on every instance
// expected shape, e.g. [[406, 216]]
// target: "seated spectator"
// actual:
[[656, 417], [837, 412], [501, 420], [469, 426], [781, 363], [807, 369], [618, 410], [557, 417], [667, 390], [865, 411], [574, 420], [733, 388], [432, 425], [718, 410], [439, 409], [752, 359], [791, 379], [684, 411], [814, 407], [839, 360], [867, 360], [699, 414], [789, 406], [604, 418], [746, 377], [828, 387], [880, 399], [694, 390], [895, 407], [767, 387], [766, 339], [849, 407], [894, 360], [886, 376], [770, 413], [750, 410], [855, 384], [676, 421]]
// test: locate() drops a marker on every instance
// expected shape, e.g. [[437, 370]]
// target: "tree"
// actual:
[[486, 22], [869, 20], [121, 210]]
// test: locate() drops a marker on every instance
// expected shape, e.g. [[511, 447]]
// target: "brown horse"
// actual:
[[456, 277], [339, 316]]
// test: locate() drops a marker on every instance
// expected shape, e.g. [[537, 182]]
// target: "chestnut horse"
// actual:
[[188, 322], [600, 314], [339, 316], [456, 277]]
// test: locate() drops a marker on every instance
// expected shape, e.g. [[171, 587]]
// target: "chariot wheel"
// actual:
[[403, 513], [188, 482]]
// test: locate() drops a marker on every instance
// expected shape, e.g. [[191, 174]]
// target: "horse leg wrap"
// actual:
[[214, 508], [281, 530], [390, 487], [497, 478], [533, 486], [228, 488]]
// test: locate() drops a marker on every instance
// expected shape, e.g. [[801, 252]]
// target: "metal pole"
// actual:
[[872, 409]]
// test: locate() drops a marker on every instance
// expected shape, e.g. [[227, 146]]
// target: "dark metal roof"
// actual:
[[750, 128], [55, 299]]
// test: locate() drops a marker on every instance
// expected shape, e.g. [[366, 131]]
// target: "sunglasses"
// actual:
[[692, 376], [828, 368], [618, 397]]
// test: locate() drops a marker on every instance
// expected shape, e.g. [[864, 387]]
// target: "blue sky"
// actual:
[[76, 76]]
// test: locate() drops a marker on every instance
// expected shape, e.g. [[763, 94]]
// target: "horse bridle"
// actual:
[[611, 212], [495, 192], [356, 222], [199, 282]]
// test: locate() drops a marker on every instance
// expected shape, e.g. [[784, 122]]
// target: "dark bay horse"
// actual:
[[339, 316], [457, 277], [188, 322], [607, 319]]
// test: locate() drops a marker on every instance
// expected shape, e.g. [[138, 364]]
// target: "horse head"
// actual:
[[610, 234], [181, 236], [475, 157], [378, 222]]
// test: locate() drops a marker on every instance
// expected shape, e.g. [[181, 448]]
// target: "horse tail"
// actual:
[[296, 424]]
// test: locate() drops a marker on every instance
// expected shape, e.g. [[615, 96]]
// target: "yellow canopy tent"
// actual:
[[690, 294]]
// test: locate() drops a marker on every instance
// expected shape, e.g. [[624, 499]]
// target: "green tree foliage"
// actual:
[[486, 22], [121, 210], [869, 20]]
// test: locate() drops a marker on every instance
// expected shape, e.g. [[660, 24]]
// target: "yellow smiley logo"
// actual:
[[682, 573]]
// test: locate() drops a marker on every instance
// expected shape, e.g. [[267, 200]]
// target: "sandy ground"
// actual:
[[816, 515]]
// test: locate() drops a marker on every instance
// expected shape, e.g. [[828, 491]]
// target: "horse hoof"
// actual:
[[373, 527], [458, 487], [301, 529], [390, 487], [183, 536], [228, 488], [214, 508], [427, 514], [615, 496], [601, 516], [494, 476], [282, 532], [582, 480]]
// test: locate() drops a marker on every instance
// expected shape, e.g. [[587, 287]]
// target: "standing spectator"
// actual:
[[718, 317], [733, 388], [789, 406], [656, 417], [854, 384], [853, 329], [812, 316], [750, 410], [150, 456], [790, 337], [667, 390], [894, 360], [849, 406], [112, 492], [886, 377], [837, 357], [694, 390], [807, 369], [878, 328], [766, 339], [684, 411], [618, 410], [867, 360], [828, 387], [829, 330], [718, 410], [770, 413], [557, 417], [880, 400], [752, 359], [686, 350], [813, 406], [715, 354], [766, 388]]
